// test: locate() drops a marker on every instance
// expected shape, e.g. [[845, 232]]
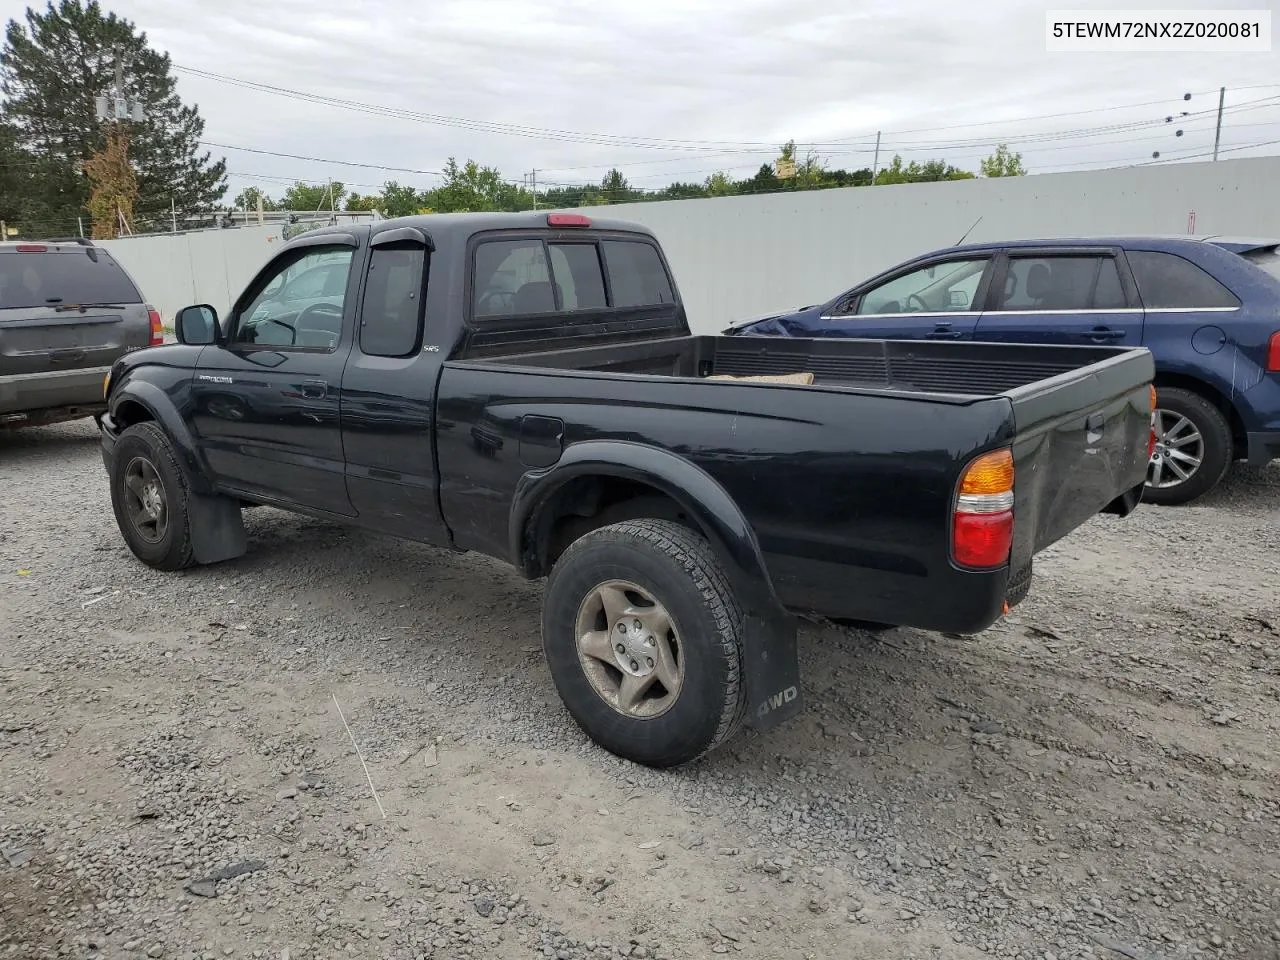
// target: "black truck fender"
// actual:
[[217, 525], [771, 664]]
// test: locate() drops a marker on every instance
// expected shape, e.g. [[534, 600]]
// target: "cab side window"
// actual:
[[300, 304], [391, 314]]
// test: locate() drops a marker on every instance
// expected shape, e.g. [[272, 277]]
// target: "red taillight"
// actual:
[[567, 220], [157, 328], [32, 248], [1273, 353], [982, 526]]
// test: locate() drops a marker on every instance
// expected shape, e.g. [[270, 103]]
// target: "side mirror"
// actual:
[[197, 326]]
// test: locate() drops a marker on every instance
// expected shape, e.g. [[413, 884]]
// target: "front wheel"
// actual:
[[642, 634], [1193, 448], [150, 498]]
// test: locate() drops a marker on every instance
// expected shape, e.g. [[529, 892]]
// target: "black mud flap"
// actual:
[[217, 529], [772, 672], [1127, 502]]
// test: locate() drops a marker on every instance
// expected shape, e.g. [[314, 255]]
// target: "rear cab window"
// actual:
[[59, 276], [545, 276]]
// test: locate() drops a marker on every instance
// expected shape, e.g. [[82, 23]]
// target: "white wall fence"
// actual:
[[741, 257]]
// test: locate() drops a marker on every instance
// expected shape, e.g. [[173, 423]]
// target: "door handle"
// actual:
[[1099, 334], [943, 332], [314, 389]]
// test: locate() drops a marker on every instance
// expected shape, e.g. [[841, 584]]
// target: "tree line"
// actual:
[[470, 187], [65, 170]]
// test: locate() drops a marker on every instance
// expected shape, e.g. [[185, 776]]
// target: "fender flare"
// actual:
[[696, 491], [156, 402], [771, 663]]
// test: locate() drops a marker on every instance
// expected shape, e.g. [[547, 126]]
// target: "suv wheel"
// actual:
[[1193, 448], [149, 496]]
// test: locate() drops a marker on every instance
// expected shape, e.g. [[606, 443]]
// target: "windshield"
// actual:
[[1268, 260], [49, 279]]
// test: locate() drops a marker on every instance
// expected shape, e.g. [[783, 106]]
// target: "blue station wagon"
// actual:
[[1207, 308]]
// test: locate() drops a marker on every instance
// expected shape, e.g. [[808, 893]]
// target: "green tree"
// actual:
[[311, 197], [52, 69], [765, 181], [247, 199], [720, 184], [1003, 163], [681, 191], [363, 201], [400, 201], [472, 188]]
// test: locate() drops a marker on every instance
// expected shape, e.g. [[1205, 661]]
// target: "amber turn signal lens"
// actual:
[[990, 473]]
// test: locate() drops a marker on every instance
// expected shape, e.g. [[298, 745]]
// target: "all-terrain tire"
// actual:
[[678, 569], [147, 442]]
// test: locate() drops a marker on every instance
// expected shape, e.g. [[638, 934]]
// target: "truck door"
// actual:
[[1063, 295], [388, 394], [937, 300], [265, 403]]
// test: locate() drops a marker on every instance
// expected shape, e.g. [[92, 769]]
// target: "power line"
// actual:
[[522, 130]]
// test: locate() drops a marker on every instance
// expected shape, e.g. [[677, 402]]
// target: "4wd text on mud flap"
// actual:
[[776, 700]]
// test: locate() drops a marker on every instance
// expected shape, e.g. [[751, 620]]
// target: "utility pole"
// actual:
[[1217, 134], [533, 187], [875, 163]]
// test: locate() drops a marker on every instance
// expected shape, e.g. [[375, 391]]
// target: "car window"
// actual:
[[577, 272], [1268, 260], [940, 288], [1166, 280], [1061, 283], [391, 315], [48, 279], [511, 278], [637, 277], [301, 304]]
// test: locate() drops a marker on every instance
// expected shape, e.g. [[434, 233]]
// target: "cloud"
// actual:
[[712, 85]]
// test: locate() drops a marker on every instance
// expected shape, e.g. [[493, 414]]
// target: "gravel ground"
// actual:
[[1095, 776]]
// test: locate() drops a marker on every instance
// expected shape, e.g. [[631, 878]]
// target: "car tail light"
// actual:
[[567, 220], [157, 328], [982, 527], [32, 248], [1273, 353], [1151, 439]]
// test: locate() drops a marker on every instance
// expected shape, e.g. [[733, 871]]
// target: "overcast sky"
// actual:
[[676, 89]]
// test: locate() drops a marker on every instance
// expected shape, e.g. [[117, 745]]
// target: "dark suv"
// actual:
[[67, 312]]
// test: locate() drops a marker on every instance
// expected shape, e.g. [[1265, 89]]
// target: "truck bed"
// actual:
[[848, 481], [939, 368]]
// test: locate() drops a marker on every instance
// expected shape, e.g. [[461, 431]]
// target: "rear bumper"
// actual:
[[1263, 447], [34, 393]]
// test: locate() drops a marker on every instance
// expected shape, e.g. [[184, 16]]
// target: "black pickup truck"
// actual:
[[526, 386]]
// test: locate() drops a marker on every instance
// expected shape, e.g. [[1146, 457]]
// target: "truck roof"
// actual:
[[460, 227]]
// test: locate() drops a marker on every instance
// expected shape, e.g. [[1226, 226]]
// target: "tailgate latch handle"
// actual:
[[1093, 425]]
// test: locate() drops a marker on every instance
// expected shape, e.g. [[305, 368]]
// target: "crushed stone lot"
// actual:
[[1095, 776]]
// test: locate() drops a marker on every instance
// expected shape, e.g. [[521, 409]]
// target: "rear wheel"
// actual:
[[642, 634], [1193, 448], [150, 498]]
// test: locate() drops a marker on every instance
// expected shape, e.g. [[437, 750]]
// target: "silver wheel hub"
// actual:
[[1179, 450], [634, 647], [152, 502], [630, 649]]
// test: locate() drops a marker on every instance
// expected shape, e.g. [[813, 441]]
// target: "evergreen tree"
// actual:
[[52, 69]]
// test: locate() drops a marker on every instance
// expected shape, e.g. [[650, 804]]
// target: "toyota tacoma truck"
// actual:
[[527, 386]]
